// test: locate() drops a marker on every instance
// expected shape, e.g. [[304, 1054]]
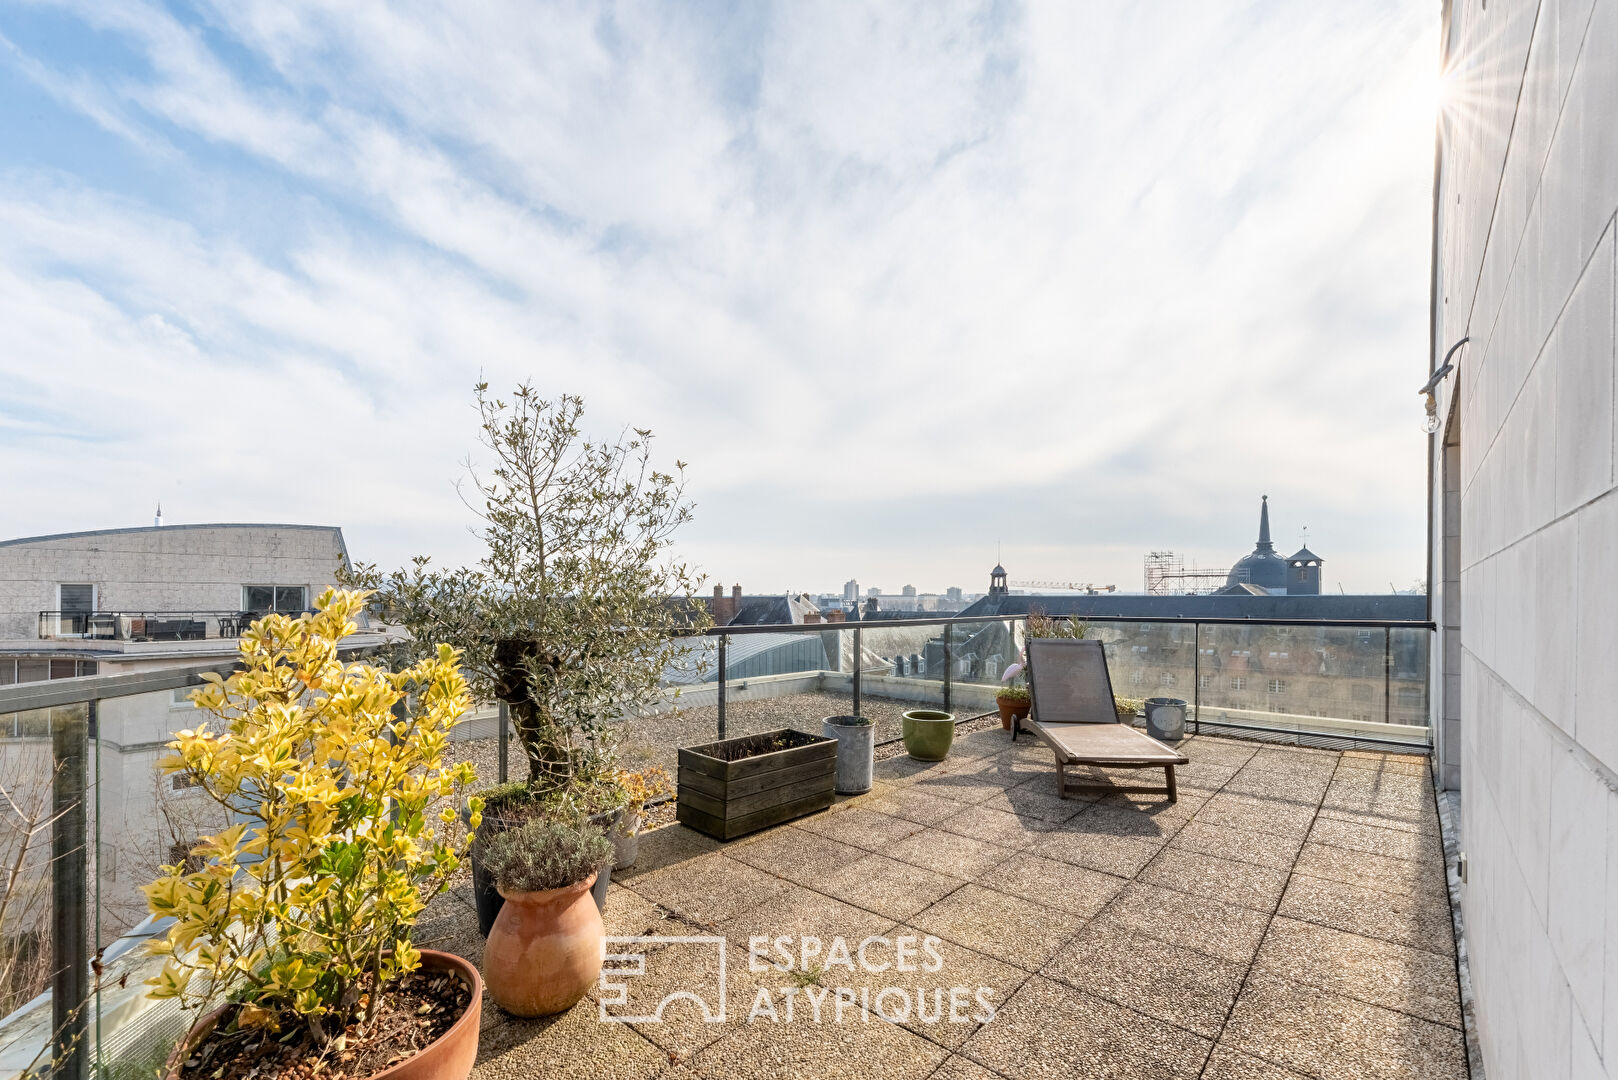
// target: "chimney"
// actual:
[[726, 608], [836, 615], [811, 617]]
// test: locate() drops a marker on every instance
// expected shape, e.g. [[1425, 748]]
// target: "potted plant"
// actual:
[[1127, 708], [928, 733], [544, 951], [856, 751], [298, 917], [737, 786], [1013, 700], [574, 613], [639, 788]]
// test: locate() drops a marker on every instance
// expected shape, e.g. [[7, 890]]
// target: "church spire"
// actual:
[[1264, 525]]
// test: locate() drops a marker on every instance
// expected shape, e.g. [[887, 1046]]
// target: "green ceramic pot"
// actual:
[[928, 733]]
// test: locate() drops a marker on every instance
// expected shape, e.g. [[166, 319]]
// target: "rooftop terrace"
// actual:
[[1287, 917]]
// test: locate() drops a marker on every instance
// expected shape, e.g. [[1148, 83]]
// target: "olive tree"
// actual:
[[577, 606]]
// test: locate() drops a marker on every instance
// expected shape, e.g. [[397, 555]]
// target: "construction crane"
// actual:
[[1066, 586]]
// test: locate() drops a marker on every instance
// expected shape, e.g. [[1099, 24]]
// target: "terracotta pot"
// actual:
[[1004, 705], [544, 952], [450, 1057]]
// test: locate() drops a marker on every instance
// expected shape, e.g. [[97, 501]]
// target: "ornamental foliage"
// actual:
[[575, 610], [303, 909]]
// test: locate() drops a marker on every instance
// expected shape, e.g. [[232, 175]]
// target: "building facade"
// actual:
[[1524, 517]]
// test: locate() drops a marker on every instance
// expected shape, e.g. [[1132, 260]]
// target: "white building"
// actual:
[[121, 600], [1525, 522]]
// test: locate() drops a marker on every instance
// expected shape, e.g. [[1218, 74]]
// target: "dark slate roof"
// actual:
[[1389, 606], [998, 570], [1303, 554]]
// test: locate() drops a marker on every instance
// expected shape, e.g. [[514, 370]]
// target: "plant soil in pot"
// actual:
[[856, 751], [737, 786], [427, 1030], [486, 898], [928, 733], [544, 951]]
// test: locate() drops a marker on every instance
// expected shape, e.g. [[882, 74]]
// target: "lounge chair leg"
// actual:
[[1061, 781], [1174, 796]]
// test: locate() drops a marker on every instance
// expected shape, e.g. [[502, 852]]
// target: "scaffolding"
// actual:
[[1167, 574]]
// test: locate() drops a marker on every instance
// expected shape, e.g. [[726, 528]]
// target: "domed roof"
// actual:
[[1263, 567], [998, 571]]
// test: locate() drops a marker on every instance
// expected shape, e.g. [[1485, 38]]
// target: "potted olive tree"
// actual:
[[299, 916], [574, 612], [544, 951]]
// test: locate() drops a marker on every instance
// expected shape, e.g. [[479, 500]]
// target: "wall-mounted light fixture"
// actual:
[[1430, 391]]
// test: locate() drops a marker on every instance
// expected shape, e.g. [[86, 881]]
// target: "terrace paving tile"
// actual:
[[1241, 845], [1037, 799], [1119, 815], [628, 913], [1203, 776], [1207, 926], [552, 1047], [1227, 1064], [799, 913], [962, 787], [929, 1007], [1405, 819], [1402, 764], [860, 826], [887, 886], [913, 805], [985, 742], [1216, 751], [1418, 920], [1329, 1035], [1063, 886], [796, 854], [1406, 844], [804, 1049], [904, 770], [1188, 989], [949, 853], [680, 1027], [1048, 1030], [666, 846], [987, 821], [1372, 871], [1378, 972], [1296, 759], [1007, 928], [1305, 789], [963, 1068], [1121, 856], [708, 889], [1241, 883], [1260, 815], [1360, 802]]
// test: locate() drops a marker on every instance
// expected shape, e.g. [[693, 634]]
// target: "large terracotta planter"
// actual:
[[544, 952], [449, 1058], [1010, 709]]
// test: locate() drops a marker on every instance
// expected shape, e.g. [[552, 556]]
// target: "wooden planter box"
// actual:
[[737, 786]]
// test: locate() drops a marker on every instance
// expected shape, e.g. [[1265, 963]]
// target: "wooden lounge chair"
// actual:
[[1073, 714]]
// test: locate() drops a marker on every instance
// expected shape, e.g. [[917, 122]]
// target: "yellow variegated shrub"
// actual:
[[305, 906]]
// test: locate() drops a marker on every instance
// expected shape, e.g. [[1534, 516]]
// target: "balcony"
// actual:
[[142, 625], [1288, 917]]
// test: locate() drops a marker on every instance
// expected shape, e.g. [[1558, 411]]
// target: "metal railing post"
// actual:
[[1387, 675], [505, 742], [857, 665], [1196, 679], [70, 959], [949, 632], [723, 638]]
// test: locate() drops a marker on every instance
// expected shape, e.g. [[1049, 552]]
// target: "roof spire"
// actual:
[[1264, 524]]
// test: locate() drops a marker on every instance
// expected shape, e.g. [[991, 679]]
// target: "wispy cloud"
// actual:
[[897, 281]]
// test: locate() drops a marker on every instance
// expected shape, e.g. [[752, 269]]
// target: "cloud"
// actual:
[[898, 281]]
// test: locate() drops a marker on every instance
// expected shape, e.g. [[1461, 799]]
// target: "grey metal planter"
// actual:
[[856, 751], [1165, 719]]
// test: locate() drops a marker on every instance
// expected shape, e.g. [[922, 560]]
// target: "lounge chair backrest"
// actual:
[[1069, 682]]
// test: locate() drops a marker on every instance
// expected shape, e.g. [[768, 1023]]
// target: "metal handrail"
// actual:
[[1188, 620]]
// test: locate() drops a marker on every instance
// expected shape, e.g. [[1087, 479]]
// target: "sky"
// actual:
[[910, 287]]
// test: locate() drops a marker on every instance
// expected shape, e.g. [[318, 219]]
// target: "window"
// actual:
[[1135, 679], [1204, 682], [1238, 682], [77, 599], [287, 599], [1360, 692], [1166, 679], [1278, 686], [1413, 696]]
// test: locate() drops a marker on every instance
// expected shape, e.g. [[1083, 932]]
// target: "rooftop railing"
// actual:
[[142, 625], [89, 819]]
